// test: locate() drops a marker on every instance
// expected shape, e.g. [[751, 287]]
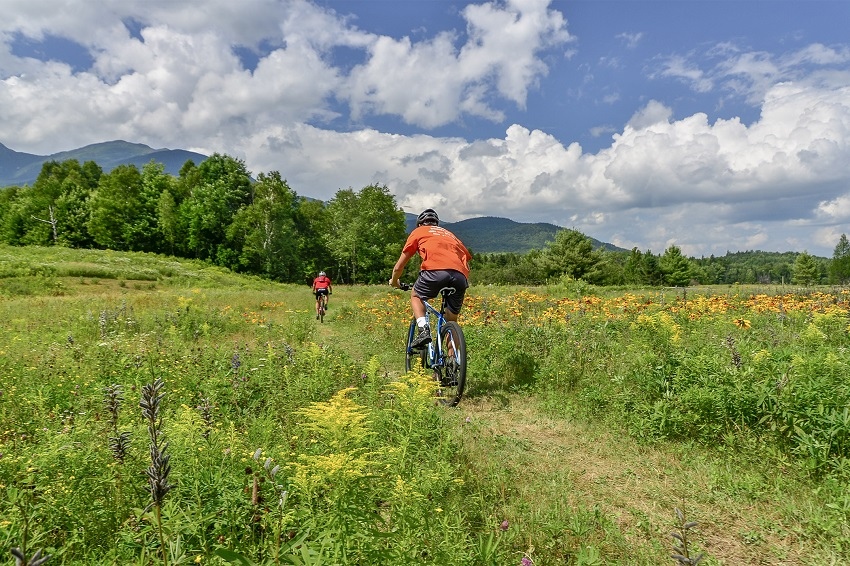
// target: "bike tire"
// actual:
[[453, 375], [322, 311], [413, 358]]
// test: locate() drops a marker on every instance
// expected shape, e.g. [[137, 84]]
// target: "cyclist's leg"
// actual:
[[454, 302], [414, 357], [416, 305], [427, 287]]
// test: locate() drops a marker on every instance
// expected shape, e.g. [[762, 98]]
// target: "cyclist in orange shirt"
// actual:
[[445, 264]]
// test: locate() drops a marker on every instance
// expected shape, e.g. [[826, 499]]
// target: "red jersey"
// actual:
[[439, 249], [321, 282]]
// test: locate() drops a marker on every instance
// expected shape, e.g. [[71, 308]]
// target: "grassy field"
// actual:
[[155, 411]]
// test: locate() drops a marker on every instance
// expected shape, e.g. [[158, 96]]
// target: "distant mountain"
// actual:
[[21, 169], [486, 234], [490, 234]]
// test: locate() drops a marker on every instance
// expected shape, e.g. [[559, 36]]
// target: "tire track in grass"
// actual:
[[637, 487]]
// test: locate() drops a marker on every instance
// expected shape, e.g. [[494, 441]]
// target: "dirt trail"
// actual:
[[638, 487]]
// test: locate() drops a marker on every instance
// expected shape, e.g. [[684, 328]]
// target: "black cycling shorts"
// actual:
[[321, 292], [430, 283]]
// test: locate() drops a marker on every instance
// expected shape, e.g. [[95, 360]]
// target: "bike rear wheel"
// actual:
[[414, 358], [452, 376]]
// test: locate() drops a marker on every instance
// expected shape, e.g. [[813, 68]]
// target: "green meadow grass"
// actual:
[[288, 441]]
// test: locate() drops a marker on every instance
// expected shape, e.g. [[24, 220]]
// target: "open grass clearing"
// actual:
[[573, 490]]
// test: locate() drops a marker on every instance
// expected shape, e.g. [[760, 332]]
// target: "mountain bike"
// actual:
[[323, 306], [445, 357]]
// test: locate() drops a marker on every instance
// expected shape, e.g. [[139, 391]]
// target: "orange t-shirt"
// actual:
[[439, 249]]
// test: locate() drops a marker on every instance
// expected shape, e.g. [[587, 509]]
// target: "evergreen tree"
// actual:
[[805, 269], [675, 267], [632, 268], [572, 254], [651, 273], [839, 267]]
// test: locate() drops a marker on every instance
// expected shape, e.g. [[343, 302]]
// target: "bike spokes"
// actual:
[[452, 377]]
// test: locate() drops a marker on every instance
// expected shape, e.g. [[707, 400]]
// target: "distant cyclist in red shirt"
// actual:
[[322, 287], [445, 263]]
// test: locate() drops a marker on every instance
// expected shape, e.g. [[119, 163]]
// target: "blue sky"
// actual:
[[714, 125]]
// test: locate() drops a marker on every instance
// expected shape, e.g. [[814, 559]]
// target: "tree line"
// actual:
[[572, 256], [216, 212], [213, 212]]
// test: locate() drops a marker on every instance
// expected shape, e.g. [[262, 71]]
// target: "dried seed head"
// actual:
[[113, 397], [160, 466], [36, 560], [119, 446]]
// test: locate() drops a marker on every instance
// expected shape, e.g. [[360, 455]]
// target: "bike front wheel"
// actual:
[[323, 305], [453, 374]]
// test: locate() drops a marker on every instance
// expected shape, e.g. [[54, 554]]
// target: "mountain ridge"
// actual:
[[19, 168], [483, 234], [495, 234]]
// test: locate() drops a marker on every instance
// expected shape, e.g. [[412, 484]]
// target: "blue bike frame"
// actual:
[[434, 357], [446, 360]]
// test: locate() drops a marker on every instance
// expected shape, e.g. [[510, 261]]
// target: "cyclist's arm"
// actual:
[[398, 269]]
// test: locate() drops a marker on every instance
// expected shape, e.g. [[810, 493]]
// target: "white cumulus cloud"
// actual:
[[172, 75]]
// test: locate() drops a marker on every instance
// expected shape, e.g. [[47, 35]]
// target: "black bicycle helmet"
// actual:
[[428, 217]]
